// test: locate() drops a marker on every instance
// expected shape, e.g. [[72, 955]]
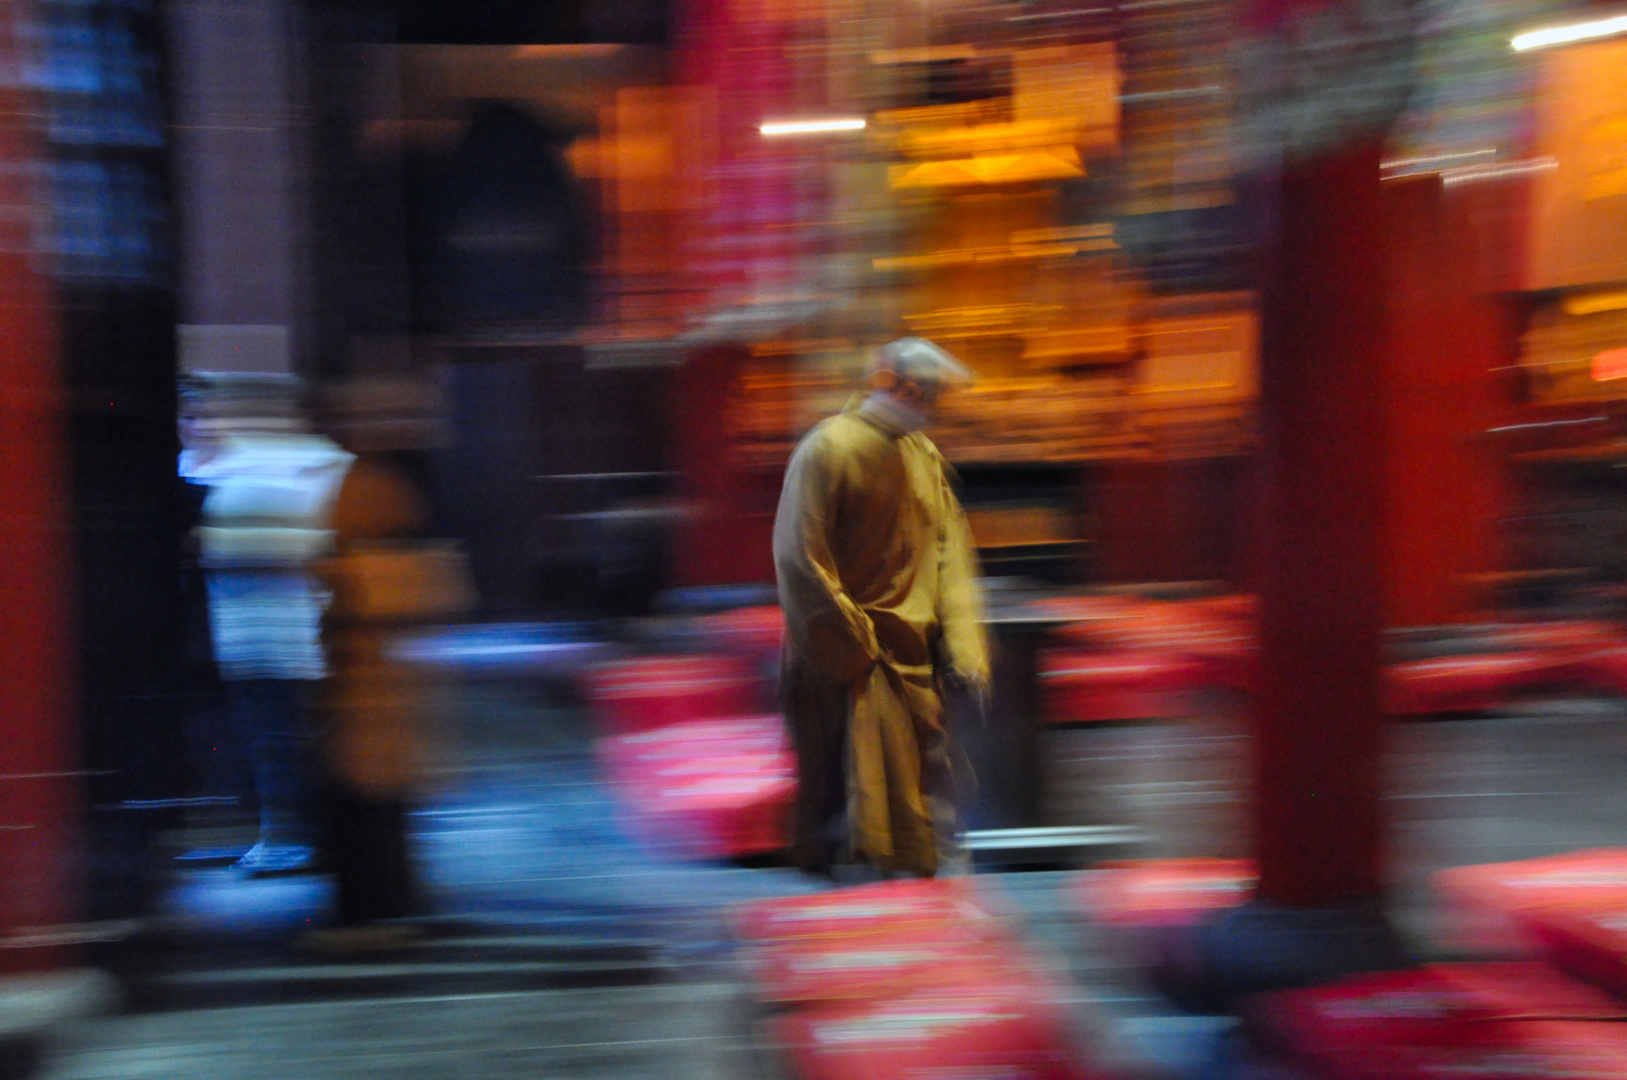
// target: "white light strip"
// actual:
[[1467, 174], [1559, 35], [812, 127], [1407, 163]]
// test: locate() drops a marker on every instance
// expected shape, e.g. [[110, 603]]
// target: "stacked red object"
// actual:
[[1098, 686], [709, 788], [904, 978], [653, 692]]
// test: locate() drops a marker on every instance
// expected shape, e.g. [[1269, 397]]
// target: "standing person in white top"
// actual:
[[265, 518]]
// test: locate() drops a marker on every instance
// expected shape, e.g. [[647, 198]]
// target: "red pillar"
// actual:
[[1321, 583], [37, 793], [1447, 341]]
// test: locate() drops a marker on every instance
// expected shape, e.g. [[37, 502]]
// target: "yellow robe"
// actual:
[[878, 580], [372, 731]]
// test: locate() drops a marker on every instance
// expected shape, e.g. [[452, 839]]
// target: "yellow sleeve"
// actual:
[[826, 627], [960, 602]]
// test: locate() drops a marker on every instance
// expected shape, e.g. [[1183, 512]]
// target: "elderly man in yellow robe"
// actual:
[[878, 581]]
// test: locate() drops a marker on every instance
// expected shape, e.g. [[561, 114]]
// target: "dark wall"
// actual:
[[553, 464], [523, 22], [359, 282], [111, 256]]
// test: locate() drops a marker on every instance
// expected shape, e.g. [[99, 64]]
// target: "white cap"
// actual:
[[920, 361]]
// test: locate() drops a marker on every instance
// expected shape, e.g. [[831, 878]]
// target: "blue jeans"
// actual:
[[269, 715]]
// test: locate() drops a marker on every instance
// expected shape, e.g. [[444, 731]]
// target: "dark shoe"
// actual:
[[359, 940]]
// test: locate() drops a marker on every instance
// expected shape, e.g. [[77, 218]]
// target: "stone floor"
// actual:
[[562, 948]]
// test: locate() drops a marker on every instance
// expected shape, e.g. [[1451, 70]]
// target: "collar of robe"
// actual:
[[891, 415]]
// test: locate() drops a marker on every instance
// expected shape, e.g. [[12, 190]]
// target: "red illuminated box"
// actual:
[[639, 695]]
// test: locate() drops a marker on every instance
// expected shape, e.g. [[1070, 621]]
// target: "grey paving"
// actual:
[[680, 1031]]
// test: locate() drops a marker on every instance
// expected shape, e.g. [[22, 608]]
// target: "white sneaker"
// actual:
[[271, 860]]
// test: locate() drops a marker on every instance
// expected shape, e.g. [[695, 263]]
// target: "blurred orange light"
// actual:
[[1610, 364]]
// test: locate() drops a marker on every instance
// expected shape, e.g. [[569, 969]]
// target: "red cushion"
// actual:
[[907, 906], [1462, 683], [1389, 1025], [875, 964], [1085, 687], [1240, 607], [1587, 939], [1593, 1050], [623, 754], [1479, 903], [1492, 1020], [1163, 892], [1530, 990], [1563, 635], [752, 631], [1094, 619], [710, 788], [1230, 661], [712, 815], [1004, 1027], [1602, 669], [637, 695], [1591, 655]]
